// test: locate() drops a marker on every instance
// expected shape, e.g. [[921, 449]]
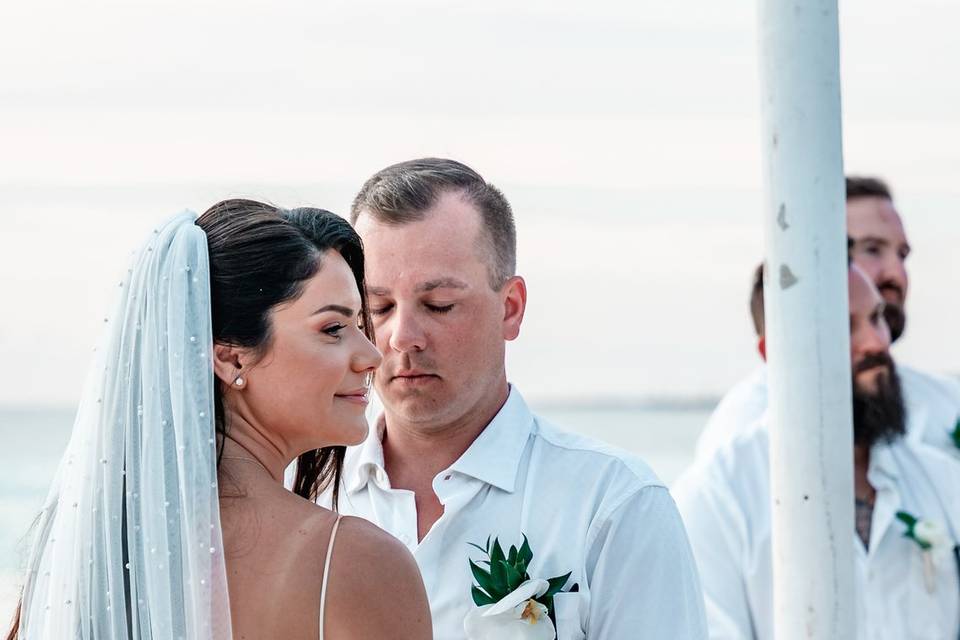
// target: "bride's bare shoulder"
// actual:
[[375, 588]]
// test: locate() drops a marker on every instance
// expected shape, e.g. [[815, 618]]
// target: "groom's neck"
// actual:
[[431, 446], [415, 452]]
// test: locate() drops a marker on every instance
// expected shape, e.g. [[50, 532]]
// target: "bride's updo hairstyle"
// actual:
[[261, 256]]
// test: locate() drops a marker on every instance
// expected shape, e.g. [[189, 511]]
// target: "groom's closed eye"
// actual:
[[444, 308]]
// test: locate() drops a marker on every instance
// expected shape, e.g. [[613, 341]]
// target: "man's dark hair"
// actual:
[[403, 192], [867, 187], [756, 292], [756, 300]]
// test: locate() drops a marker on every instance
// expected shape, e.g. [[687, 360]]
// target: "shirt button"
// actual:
[[447, 477]]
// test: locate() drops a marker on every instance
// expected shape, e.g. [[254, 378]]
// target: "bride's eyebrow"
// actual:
[[346, 311]]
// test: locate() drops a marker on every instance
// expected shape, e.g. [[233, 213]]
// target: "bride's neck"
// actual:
[[245, 443]]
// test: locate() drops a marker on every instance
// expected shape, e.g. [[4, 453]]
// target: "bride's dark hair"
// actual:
[[261, 256]]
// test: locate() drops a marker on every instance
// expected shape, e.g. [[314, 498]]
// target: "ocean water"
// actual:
[[33, 440]]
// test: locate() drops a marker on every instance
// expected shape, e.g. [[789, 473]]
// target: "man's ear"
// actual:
[[227, 362], [514, 305], [762, 347]]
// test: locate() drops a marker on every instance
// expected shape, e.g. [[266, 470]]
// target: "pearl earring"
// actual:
[[239, 381]]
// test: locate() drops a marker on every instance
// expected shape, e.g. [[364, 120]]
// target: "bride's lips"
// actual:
[[357, 396]]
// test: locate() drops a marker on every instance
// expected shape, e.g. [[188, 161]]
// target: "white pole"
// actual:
[[807, 326]]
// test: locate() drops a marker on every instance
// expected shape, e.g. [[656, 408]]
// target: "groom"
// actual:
[[457, 456]]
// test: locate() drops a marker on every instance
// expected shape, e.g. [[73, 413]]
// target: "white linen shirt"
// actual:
[[932, 403], [585, 507], [725, 502]]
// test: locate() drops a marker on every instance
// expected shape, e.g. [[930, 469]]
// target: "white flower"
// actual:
[[931, 533], [517, 616]]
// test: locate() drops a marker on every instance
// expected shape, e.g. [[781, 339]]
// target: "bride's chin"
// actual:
[[363, 432], [356, 435]]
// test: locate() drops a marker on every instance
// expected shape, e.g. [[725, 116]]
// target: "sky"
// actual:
[[625, 134]]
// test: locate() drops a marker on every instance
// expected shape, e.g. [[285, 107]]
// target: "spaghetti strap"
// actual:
[[326, 573]]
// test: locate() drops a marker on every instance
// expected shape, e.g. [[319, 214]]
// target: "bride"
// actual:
[[240, 343]]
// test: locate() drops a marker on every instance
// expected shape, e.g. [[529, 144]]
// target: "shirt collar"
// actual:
[[493, 458], [366, 460], [883, 466]]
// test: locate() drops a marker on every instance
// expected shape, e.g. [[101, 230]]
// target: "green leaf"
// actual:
[[526, 553], [522, 570], [478, 547], [480, 598], [512, 556], [497, 563], [908, 520], [556, 584], [956, 434], [485, 581], [496, 553], [514, 577]]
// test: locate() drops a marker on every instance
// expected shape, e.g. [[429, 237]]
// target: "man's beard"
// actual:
[[896, 320], [893, 312], [880, 414]]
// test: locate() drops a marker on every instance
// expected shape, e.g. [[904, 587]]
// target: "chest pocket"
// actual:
[[566, 606]]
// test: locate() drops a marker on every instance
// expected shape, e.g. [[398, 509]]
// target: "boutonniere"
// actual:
[[510, 604], [932, 539]]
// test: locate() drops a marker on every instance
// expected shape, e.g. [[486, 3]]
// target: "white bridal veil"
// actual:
[[129, 544]]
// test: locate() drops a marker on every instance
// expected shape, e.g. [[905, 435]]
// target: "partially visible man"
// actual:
[[880, 249], [457, 458], [901, 589]]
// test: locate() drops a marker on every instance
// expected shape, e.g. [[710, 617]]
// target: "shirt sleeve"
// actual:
[[644, 582], [719, 545]]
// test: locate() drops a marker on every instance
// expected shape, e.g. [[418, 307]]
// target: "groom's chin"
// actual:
[[413, 407]]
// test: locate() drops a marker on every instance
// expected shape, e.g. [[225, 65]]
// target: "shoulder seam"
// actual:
[[641, 481]]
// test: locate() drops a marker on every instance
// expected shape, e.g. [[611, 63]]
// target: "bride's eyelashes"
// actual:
[[334, 331]]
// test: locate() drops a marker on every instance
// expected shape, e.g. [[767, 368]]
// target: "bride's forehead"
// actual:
[[333, 283]]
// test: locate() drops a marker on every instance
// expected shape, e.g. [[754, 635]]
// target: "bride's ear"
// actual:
[[227, 365]]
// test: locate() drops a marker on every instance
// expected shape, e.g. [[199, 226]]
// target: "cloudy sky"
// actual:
[[625, 134]]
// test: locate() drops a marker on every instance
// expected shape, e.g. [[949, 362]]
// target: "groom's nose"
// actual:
[[404, 331]]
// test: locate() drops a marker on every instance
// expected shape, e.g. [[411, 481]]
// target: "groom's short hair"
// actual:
[[403, 193]]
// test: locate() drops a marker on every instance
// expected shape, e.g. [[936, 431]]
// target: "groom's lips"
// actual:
[[413, 377]]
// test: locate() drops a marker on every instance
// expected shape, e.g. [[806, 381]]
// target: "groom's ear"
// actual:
[[227, 363], [514, 304]]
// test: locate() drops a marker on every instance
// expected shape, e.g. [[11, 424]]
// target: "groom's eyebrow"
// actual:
[[346, 311], [441, 283], [423, 287]]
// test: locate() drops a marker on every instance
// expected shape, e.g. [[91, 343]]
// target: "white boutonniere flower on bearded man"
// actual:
[[933, 540]]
